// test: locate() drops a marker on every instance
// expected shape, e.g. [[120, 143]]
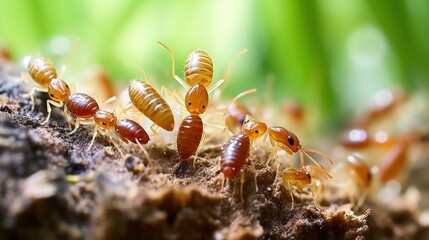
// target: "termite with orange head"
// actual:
[[283, 139], [237, 150], [198, 76], [83, 107], [127, 130], [43, 72], [295, 179]]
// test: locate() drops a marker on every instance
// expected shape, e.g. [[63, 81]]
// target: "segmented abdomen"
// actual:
[[234, 155], [41, 70], [148, 101], [189, 136], [199, 68], [129, 130], [82, 105]]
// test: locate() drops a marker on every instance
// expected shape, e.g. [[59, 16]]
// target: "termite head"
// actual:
[[197, 99], [295, 177], [254, 128], [105, 120], [286, 139], [58, 90]]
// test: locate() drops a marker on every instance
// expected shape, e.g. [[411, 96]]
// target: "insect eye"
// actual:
[[189, 103], [67, 86], [308, 175], [104, 123], [256, 131], [290, 140], [51, 94], [204, 106]]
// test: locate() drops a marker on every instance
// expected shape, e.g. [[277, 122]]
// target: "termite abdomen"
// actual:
[[189, 136], [129, 130], [234, 155], [148, 101], [41, 70], [199, 68], [82, 105]]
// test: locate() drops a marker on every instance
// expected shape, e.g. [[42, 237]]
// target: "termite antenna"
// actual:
[[225, 77], [326, 157], [303, 152], [247, 92], [70, 56], [173, 71]]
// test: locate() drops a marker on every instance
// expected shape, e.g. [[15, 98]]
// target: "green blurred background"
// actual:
[[331, 56]]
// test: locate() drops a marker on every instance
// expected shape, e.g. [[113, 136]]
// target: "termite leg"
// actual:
[[361, 200], [227, 71], [242, 178], [31, 93], [173, 72], [173, 96], [76, 126], [163, 145], [291, 196], [49, 109], [116, 144], [146, 154], [69, 57], [221, 128], [252, 165], [198, 149], [301, 152], [316, 188], [93, 138]]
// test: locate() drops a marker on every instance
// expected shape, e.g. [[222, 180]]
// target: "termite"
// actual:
[[148, 101], [304, 179], [83, 106], [44, 73], [198, 75], [126, 130], [295, 178], [283, 139], [354, 177], [237, 150]]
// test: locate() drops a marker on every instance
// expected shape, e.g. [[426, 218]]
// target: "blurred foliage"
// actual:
[[331, 56]]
